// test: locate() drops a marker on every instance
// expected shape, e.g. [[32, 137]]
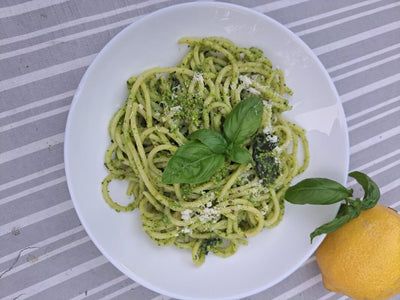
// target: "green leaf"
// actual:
[[330, 226], [193, 162], [211, 138], [239, 155], [317, 191], [371, 189], [243, 121], [347, 212]]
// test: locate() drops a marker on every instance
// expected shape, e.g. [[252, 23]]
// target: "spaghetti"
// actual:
[[164, 106]]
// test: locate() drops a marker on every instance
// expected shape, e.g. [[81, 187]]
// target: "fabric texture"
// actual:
[[45, 48]]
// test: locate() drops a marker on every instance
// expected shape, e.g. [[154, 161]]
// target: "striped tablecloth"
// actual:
[[46, 46]]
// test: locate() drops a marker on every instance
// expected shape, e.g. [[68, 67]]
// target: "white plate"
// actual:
[[152, 41]]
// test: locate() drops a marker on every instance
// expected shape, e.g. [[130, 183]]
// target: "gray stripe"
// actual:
[[60, 53], [375, 128], [362, 79], [42, 18], [47, 268], [39, 253], [347, 13], [85, 282], [374, 152], [32, 183], [368, 100], [7, 3], [32, 195], [32, 92], [29, 234], [368, 61], [31, 163], [34, 202], [109, 290], [31, 132], [350, 28], [26, 8], [358, 49], [136, 293], [307, 9], [381, 110], [34, 111]]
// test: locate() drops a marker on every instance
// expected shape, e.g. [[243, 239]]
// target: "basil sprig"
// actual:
[[325, 191], [197, 160]]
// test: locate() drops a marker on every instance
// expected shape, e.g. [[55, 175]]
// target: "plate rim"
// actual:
[[76, 97]]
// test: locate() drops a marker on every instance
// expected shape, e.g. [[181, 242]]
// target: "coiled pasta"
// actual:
[[164, 106]]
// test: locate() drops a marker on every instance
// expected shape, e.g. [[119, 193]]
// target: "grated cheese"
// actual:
[[198, 77], [245, 80], [185, 215], [209, 214]]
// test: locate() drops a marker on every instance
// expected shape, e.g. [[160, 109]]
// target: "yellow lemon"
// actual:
[[362, 258]]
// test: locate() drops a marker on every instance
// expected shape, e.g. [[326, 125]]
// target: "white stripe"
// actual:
[[298, 289], [121, 291], [356, 38], [377, 171], [330, 13], [46, 72], [327, 296], [45, 256], [100, 287], [372, 108], [36, 217], [32, 190], [84, 61], [391, 186], [59, 278], [37, 103], [35, 118], [103, 28], [366, 68], [29, 6], [346, 19], [369, 88], [32, 147], [79, 21], [68, 38], [374, 140], [277, 5], [43, 243], [30, 177], [378, 160], [374, 118], [310, 260], [361, 58], [161, 297]]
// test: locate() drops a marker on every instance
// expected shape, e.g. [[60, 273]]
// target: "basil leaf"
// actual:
[[317, 191], [193, 162], [243, 121], [330, 226], [371, 189], [211, 138], [239, 155], [346, 213]]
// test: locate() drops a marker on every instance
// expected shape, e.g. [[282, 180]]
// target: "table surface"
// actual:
[[45, 48]]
